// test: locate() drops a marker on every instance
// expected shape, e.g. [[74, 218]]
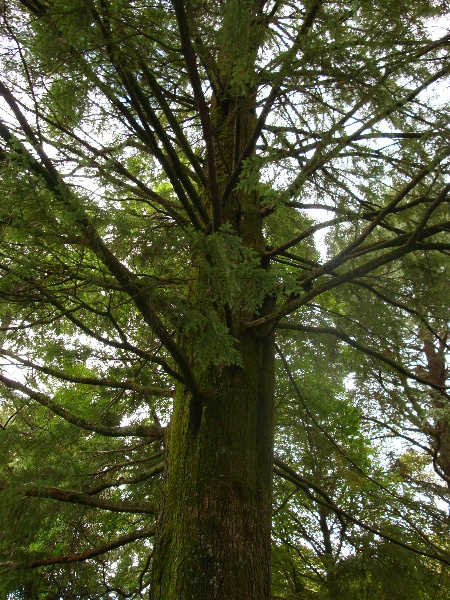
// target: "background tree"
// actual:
[[224, 231]]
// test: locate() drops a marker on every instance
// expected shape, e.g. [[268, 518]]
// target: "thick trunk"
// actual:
[[214, 529], [214, 533]]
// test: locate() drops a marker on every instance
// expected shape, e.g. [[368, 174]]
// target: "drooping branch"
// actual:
[[128, 384], [141, 127], [123, 540], [365, 349], [122, 345], [75, 497], [398, 434], [112, 167], [145, 431], [389, 492]]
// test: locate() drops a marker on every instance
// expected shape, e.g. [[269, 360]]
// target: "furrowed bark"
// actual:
[[215, 524], [214, 531]]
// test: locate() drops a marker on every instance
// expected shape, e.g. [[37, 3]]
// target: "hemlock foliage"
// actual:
[[200, 201]]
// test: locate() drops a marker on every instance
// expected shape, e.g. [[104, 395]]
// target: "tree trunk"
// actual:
[[215, 525], [214, 533]]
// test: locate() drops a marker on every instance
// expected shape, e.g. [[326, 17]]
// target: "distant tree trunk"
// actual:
[[30, 592], [436, 373]]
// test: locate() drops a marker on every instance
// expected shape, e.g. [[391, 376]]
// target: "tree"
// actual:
[[224, 230]]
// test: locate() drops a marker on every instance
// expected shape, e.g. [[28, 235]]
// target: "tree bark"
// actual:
[[435, 354], [214, 532], [215, 523]]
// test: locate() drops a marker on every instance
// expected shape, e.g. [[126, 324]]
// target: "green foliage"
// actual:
[[232, 273], [162, 204]]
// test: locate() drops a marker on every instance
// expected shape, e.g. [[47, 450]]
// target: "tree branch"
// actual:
[[74, 497], [128, 384], [146, 431], [82, 556], [126, 480], [366, 350], [306, 485], [137, 290], [203, 110]]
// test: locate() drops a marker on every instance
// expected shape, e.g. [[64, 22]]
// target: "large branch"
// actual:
[[128, 384], [349, 276], [305, 234], [82, 556], [171, 164], [376, 219], [137, 290], [74, 497], [203, 109], [365, 349], [177, 128], [145, 431], [147, 136]]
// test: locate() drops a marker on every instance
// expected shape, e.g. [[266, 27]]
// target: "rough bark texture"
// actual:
[[437, 373], [214, 531]]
